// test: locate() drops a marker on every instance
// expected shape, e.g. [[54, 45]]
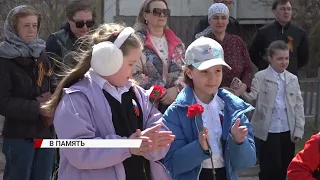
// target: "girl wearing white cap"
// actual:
[[97, 100], [217, 140]]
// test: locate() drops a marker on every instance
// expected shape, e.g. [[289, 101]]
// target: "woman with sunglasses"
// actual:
[[163, 52], [80, 20]]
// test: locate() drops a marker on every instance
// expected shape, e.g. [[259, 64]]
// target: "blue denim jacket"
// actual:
[[186, 155]]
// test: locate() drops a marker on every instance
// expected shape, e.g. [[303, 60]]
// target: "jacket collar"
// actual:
[[269, 75], [278, 25], [173, 40], [186, 98], [66, 27]]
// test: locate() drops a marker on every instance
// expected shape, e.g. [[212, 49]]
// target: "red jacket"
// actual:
[[306, 161]]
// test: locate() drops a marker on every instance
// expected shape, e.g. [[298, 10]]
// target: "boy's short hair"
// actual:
[[279, 2]]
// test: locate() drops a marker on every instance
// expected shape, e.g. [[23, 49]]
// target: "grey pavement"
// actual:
[[249, 178], [250, 174]]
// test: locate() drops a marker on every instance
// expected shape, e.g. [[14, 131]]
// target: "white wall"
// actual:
[[253, 9], [109, 10], [243, 9], [178, 7]]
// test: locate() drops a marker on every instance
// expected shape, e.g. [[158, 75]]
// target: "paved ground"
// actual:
[[249, 178], [250, 174]]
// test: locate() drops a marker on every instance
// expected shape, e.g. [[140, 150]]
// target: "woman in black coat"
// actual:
[[26, 83]]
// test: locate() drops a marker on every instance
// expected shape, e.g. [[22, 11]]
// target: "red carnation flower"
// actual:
[[195, 110], [156, 93]]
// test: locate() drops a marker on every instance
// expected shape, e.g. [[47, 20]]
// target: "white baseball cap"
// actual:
[[204, 53]]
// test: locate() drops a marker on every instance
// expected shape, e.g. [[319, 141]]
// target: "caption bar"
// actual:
[[87, 143]]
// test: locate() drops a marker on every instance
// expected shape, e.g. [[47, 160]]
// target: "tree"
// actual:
[[307, 14]]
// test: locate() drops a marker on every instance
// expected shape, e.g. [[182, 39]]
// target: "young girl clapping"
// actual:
[[97, 100]]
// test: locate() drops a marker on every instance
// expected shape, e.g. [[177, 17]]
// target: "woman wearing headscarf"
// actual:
[[163, 52], [26, 84], [235, 50]]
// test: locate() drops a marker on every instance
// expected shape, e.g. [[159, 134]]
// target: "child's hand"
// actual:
[[238, 132], [296, 139], [203, 136], [160, 139], [145, 146]]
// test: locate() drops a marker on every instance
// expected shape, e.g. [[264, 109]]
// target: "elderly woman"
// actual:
[[163, 53], [236, 53], [25, 85]]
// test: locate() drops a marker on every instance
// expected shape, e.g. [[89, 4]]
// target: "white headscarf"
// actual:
[[215, 8]]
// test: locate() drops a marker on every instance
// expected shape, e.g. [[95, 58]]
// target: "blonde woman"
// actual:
[[162, 59]]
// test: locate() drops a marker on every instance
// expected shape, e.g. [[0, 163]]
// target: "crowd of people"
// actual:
[[90, 81]]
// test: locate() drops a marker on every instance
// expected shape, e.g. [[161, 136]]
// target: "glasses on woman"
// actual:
[[159, 11], [81, 23]]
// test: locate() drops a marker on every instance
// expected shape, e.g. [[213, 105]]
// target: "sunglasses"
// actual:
[[81, 23], [158, 12]]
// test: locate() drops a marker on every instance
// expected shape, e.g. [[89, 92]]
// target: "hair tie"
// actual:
[[116, 34]]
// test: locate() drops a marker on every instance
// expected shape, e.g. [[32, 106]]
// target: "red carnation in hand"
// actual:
[[156, 93], [195, 110]]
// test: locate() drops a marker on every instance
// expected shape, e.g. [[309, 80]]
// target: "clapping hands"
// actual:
[[153, 139]]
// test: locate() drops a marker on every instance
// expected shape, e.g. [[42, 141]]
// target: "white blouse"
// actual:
[[161, 45]]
